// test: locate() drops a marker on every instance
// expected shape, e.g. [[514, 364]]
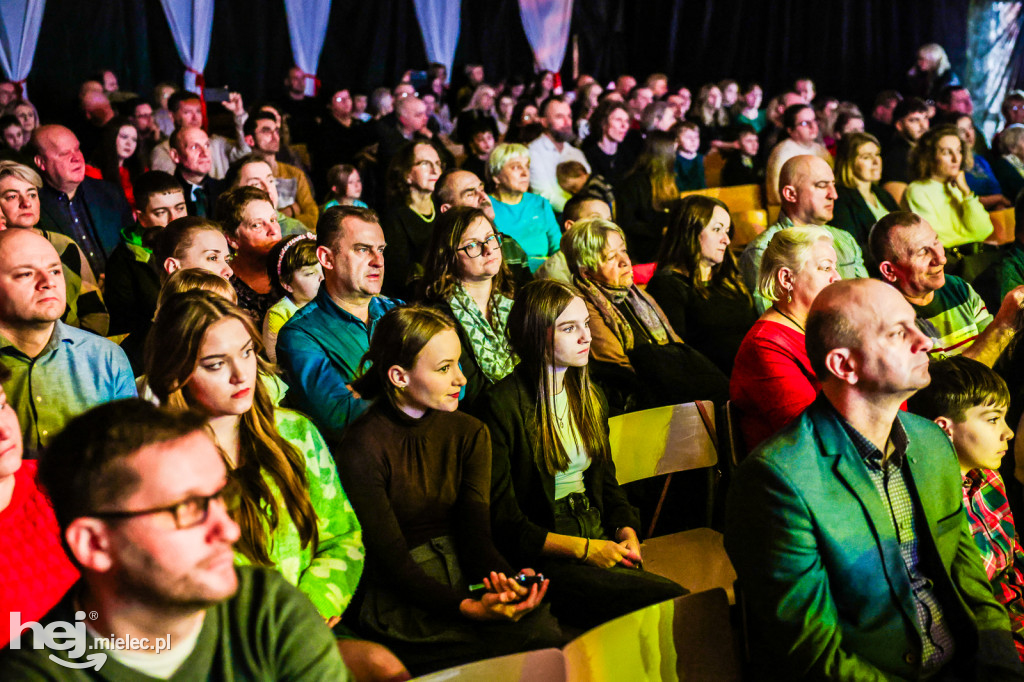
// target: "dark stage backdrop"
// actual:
[[851, 48]]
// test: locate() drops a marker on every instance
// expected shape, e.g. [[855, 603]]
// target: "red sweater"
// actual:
[[34, 571], [772, 381]]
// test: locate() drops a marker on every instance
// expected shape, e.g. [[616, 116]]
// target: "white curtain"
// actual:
[[19, 31], [307, 26], [191, 23], [439, 24], [547, 28]]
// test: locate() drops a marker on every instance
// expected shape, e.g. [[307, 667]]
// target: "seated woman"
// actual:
[[980, 176], [345, 187], [285, 494], [35, 573], [19, 207], [466, 278], [296, 274], [418, 474], [554, 497], [638, 359], [861, 201], [772, 380], [249, 221], [409, 220], [646, 194], [254, 170], [698, 283], [526, 217], [1009, 168], [940, 194], [117, 157]]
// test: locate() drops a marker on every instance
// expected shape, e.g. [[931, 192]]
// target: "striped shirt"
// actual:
[[954, 318]]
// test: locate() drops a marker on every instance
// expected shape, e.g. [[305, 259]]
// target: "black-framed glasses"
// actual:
[[190, 512], [475, 249]]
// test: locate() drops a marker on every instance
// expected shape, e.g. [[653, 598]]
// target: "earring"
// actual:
[[789, 296]]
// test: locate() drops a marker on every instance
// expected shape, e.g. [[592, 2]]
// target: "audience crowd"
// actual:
[[326, 393]]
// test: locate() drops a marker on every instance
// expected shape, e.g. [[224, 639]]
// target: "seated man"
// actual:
[[910, 119], [294, 191], [90, 211], [137, 494], [801, 126], [807, 187], [321, 346], [911, 258], [58, 371], [191, 242], [551, 149], [192, 152], [969, 401], [132, 282], [187, 112], [846, 528], [35, 572]]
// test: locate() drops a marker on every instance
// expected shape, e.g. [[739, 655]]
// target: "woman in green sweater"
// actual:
[[284, 491]]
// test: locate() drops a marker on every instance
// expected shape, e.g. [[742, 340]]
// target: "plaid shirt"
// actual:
[[887, 473], [991, 520]]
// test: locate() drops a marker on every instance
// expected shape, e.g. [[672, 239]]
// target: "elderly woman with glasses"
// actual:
[[636, 355], [526, 217], [409, 220], [467, 279]]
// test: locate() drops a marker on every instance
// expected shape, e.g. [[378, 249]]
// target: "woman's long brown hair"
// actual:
[[172, 356]]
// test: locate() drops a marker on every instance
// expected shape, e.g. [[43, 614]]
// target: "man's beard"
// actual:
[[561, 135]]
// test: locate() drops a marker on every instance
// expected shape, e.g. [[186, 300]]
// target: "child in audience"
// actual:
[[346, 187], [283, 488], [689, 162], [743, 167], [969, 401], [554, 498], [418, 473], [296, 273], [573, 178]]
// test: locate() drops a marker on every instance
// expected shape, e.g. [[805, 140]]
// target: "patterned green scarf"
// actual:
[[487, 339]]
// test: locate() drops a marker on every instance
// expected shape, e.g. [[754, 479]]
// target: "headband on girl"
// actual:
[[289, 244]]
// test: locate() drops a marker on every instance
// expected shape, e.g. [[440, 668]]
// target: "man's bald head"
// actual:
[[462, 188], [32, 289], [807, 187], [863, 333], [57, 154]]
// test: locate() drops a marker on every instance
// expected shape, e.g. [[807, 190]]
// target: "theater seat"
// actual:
[[665, 440], [1005, 224]]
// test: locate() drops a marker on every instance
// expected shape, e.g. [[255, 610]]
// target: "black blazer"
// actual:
[[211, 187], [523, 494], [853, 215], [108, 210]]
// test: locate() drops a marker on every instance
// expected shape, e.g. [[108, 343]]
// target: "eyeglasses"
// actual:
[[476, 249], [188, 513], [430, 164], [812, 122]]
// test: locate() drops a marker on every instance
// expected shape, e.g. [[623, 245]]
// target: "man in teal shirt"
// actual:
[[321, 346], [847, 528], [137, 492]]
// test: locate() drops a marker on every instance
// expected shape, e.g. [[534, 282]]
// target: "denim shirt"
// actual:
[[75, 371], [319, 349]]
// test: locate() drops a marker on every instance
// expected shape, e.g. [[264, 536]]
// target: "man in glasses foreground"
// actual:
[[137, 495]]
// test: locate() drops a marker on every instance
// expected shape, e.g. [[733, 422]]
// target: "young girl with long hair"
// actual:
[[555, 500], [418, 473]]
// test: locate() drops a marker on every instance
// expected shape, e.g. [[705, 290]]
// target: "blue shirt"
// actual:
[[75, 371], [981, 180], [532, 223], [319, 349]]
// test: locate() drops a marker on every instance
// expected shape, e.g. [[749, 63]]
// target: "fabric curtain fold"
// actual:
[[20, 21], [439, 23], [546, 23], [307, 28], [191, 24]]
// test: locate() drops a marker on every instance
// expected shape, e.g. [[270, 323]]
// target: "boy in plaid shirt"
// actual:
[[969, 400]]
